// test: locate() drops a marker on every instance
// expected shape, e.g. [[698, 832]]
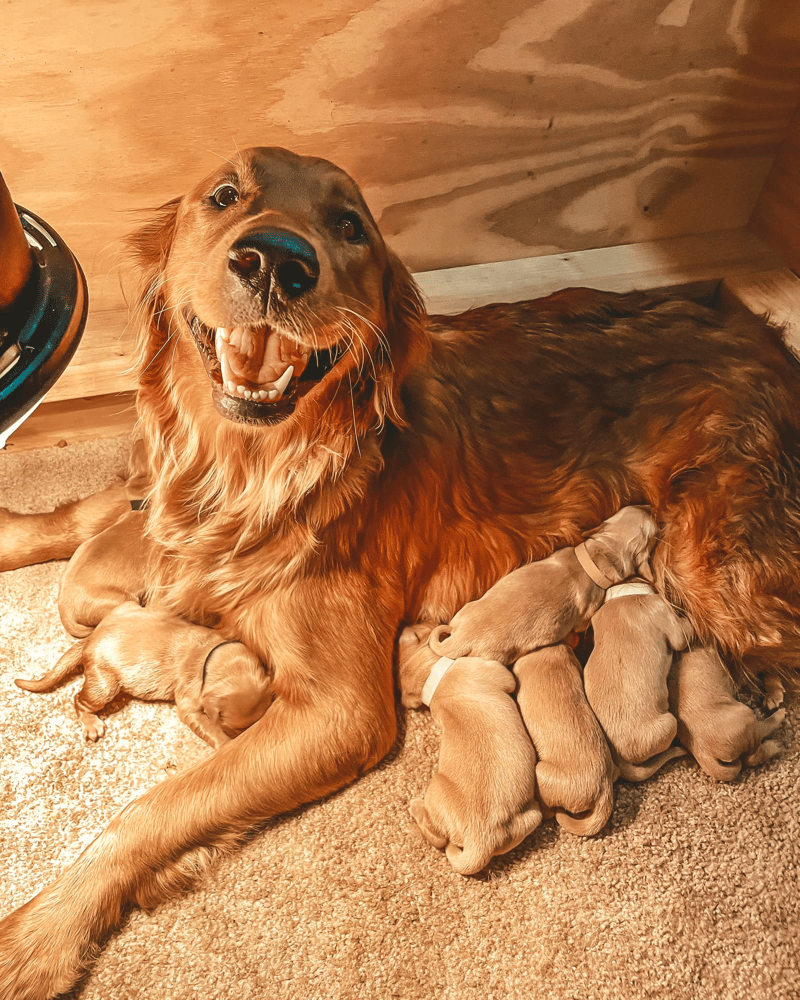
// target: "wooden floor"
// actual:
[[95, 396]]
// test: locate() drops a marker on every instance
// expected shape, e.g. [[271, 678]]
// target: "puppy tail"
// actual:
[[587, 824], [468, 860], [641, 772], [67, 666]]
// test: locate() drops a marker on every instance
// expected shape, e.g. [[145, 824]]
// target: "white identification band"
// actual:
[[438, 670], [628, 589]]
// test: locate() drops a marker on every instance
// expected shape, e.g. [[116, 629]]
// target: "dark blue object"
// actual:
[[43, 333]]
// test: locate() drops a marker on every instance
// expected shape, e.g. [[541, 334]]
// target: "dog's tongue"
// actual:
[[258, 360]]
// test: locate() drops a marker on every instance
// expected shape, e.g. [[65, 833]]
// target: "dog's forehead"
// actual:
[[284, 177]]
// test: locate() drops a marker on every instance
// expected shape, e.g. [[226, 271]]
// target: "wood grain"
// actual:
[[480, 132], [776, 217]]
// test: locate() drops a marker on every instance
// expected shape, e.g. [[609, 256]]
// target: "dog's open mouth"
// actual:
[[258, 375]]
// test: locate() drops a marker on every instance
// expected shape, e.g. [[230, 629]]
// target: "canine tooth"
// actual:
[[284, 380], [223, 333]]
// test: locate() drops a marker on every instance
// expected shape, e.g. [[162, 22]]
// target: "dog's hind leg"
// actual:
[[33, 538]]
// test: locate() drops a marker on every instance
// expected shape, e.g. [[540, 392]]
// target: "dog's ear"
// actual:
[[148, 247], [407, 338]]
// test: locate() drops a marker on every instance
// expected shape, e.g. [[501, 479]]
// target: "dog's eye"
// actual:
[[225, 195], [351, 227]]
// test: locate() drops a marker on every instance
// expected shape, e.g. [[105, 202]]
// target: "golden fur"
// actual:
[[431, 456]]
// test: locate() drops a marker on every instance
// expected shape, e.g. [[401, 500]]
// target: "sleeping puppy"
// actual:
[[480, 802], [719, 731], [105, 571], [220, 688], [636, 634], [543, 602], [575, 773], [108, 569]]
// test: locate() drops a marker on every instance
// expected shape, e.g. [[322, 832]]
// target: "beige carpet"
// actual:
[[691, 892]]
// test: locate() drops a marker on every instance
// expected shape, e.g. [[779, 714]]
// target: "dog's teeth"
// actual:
[[223, 334], [273, 394], [284, 380]]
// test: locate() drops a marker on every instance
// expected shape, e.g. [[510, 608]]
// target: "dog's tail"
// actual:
[[69, 665], [588, 823], [641, 772]]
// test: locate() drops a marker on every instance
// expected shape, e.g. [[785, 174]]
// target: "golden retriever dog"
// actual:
[[481, 801], [575, 773], [636, 635], [330, 464], [544, 602], [720, 732], [219, 687]]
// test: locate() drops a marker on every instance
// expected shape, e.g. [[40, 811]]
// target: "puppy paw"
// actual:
[[773, 691], [93, 729]]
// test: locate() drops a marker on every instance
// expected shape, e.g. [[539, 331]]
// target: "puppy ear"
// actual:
[[406, 335], [643, 568]]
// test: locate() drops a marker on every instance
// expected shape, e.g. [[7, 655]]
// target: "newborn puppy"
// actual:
[[719, 731], [541, 603], [575, 774], [636, 634], [219, 688], [104, 572], [481, 800]]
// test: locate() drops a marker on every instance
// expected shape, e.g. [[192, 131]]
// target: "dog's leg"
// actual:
[[32, 538], [99, 688], [312, 740]]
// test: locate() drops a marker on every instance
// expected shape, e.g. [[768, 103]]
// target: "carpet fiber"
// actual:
[[690, 893]]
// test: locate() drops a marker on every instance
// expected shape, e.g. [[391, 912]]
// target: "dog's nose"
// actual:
[[275, 255]]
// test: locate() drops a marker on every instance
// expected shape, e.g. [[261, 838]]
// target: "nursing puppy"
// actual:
[[542, 603], [721, 733], [480, 802], [636, 634], [220, 688], [575, 773]]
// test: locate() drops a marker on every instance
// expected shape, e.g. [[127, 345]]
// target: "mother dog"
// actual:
[[330, 464]]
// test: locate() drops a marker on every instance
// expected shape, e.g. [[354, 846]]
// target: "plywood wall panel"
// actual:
[[776, 217], [480, 132]]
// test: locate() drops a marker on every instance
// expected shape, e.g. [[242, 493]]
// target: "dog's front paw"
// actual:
[[37, 960]]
